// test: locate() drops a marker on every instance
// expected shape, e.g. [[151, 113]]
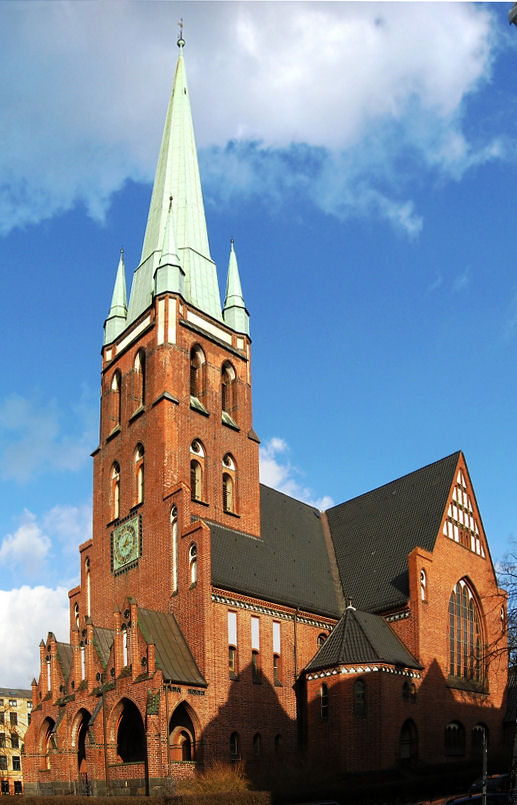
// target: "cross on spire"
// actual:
[[180, 41]]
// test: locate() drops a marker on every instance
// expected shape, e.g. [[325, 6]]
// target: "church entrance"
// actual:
[[182, 735], [131, 742]]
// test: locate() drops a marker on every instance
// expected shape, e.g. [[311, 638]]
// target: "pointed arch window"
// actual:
[[408, 742], [139, 379], [235, 746], [465, 638], [197, 375], [88, 587], [423, 585], [454, 742], [228, 393], [174, 535], [359, 698], [197, 461], [192, 555], [76, 615], [139, 473], [229, 501], [115, 400], [115, 491], [324, 702]]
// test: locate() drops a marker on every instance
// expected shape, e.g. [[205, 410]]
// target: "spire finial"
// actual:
[[181, 41]]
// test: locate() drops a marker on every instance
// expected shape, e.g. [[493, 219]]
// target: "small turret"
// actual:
[[169, 275], [234, 312], [117, 315]]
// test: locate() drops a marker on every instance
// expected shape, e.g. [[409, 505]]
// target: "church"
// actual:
[[219, 619]]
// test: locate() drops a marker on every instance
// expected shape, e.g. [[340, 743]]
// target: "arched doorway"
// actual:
[[131, 742], [182, 734], [79, 738], [46, 741]]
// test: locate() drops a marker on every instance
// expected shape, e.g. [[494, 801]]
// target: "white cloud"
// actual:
[[462, 281], [361, 85], [32, 441], [70, 525], [27, 548], [26, 615], [278, 472]]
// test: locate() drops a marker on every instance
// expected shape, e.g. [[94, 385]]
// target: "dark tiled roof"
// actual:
[[173, 655], [103, 641], [361, 637], [15, 693], [65, 655], [374, 533], [288, 565]]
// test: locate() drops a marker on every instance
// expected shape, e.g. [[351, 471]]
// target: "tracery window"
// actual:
[[115, 400], [465, 639], [228, 402], [454, 742], [197, 454], [193, 563], [229, 484]]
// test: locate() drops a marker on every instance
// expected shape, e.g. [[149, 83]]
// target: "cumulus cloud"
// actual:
[[27, 547], [356, 99], [26, 616], [277, 471], [24, 553], [32, 440]]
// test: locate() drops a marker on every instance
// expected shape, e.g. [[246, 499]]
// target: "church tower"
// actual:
[[177, 443]]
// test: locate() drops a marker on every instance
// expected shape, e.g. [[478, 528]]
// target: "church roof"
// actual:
[[65, 656], [374, 533], [103, 641], [288, 565], [361, 637], [173, 656]]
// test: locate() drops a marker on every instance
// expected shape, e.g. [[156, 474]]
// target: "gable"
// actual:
[[462, 522]]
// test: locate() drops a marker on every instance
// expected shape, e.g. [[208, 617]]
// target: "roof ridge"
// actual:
[[290, 497], [457, 453]]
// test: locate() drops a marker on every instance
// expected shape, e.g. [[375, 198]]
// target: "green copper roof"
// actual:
[[177, 175], [117, 315], [235, 313]]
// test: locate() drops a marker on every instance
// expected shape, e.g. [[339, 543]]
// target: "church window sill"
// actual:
[[113, 433], [138, 413]]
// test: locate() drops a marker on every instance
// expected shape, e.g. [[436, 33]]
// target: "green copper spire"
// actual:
[[117, 315], [177, 175], [169, 275], [234, 313]]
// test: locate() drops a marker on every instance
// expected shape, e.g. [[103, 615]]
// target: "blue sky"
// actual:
[[364, 158]]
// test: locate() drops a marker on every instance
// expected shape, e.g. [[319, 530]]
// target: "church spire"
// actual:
[[117, 315], [234, 313], [177, 175]]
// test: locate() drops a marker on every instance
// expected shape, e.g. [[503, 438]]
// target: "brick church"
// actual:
[[217, 618]]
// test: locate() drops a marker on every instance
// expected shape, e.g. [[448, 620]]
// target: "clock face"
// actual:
[[126, 543]]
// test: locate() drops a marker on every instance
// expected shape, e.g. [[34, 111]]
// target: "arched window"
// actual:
[[115, 491], [131, 741], [229, 484], [139, 379], [465, 643], [408, 742], [125, 645], [257, 744], [76, 615], [359, 697], [423, 585], [324, 702], [227, 492], [234, 746], [321, 639], [88, 587], [182, 736], [228, 402], [197, 373], [174, 528], [197, 460], [454, 743], [139, 473], [479, 734], [83, 660], [115, 400], [46, 739], [192, 555]]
